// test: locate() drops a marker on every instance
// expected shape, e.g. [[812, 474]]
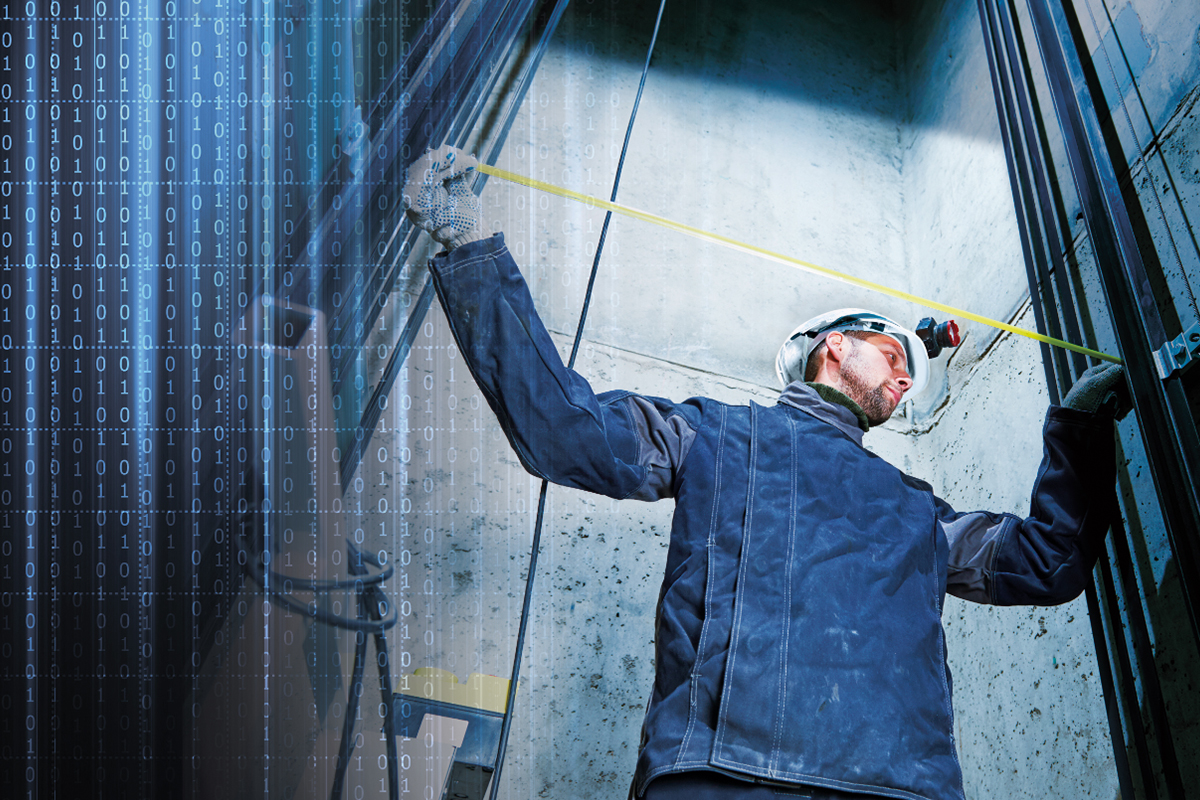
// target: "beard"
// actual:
[[875, 401]]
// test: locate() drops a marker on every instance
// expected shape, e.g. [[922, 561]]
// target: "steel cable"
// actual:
[[537, 529]]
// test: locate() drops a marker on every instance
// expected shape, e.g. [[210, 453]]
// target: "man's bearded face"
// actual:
[[874, 375]]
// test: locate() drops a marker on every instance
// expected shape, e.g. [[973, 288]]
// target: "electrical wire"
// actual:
[[330, 586], [537, 528], [587, 298], [375, 594], [372, 609], [346, 747], [313, 611]]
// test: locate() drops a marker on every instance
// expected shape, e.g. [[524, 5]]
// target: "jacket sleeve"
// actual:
[[618, 444], [1046, 558]]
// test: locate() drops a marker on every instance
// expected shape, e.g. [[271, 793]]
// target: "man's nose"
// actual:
[[904, 381]]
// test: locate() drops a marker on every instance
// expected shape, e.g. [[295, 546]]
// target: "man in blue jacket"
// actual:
[[799, 646]]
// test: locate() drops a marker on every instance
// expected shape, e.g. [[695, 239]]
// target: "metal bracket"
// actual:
[[1179, 352]]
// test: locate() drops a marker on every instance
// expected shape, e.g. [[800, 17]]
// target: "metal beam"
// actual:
[[1161, 408]]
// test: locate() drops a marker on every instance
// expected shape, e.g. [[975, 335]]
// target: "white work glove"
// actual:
[[439, 199]]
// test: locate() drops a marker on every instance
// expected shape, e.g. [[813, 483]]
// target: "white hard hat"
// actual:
[[793, 355]]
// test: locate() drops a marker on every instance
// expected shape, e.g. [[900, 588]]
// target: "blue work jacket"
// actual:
[[799, 637]]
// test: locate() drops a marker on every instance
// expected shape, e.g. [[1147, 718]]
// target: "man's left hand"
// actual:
[[1094, 387]]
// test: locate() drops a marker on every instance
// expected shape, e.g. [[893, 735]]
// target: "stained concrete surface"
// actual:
[[1147, 55], [961, 240]]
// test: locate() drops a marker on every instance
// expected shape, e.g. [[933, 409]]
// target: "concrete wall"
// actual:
[[836, 132], [773, 124], [961, 240]]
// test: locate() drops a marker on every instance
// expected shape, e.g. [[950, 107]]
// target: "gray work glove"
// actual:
[[1094, 387], [439, 199]]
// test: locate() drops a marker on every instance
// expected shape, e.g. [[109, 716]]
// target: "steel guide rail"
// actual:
[[1019, 139], [1051, 238], [487, 43], [410, 127], [455, 45], [1108, 223], [431, 124], [1161, 407], [407, 234], [1143, 651], [426, 67], [1018, 183], [440, 61]]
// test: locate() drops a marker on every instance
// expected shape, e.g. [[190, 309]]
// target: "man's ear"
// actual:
[[837, 346]]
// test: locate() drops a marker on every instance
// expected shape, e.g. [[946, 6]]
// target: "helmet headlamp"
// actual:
[[793, 355]]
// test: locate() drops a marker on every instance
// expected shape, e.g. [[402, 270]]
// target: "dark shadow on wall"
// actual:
[[866, 57]]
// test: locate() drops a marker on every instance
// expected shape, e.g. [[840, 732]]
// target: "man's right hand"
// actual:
[[439, 199]]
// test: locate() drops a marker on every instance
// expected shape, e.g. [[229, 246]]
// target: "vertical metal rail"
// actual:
[[1025, 166], [1133, 715], [1052, 238], [1161, 407], [405, 233], [1111, 707], [473, 67], [477, 68], [1143, 650], [1108, 223], [1018, 182]]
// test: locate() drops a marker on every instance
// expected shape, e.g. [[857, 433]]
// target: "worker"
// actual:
[[799, 644]]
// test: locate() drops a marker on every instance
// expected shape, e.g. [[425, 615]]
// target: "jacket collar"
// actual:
[[834, 410]]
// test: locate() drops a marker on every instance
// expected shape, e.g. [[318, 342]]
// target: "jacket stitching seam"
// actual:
[[1005, 530], [527, 461], [787, 603], [624, 409], [706, 627], [668, 769], [851, 436], [541, 357], [947, 701], [735, 632], [452, 267]]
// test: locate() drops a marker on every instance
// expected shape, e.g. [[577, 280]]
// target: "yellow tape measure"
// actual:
[[734, 244]]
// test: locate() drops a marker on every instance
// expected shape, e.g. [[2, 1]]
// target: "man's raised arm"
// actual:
[[1045, 558], [618, 444]]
